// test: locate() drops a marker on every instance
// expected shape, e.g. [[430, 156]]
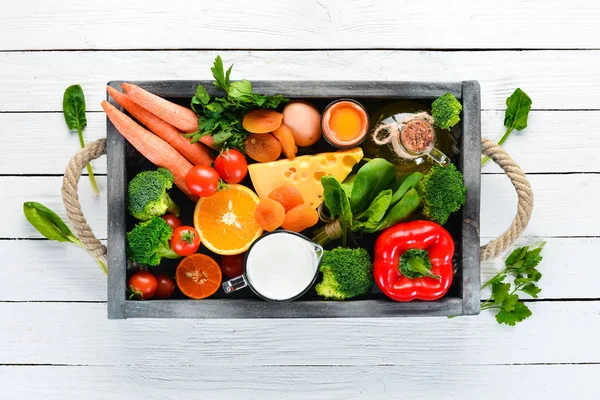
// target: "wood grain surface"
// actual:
[[56, 342]]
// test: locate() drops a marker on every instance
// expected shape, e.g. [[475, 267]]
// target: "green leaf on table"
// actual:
[[531, 289], [516, 314], [47, 222], [518, 106], [74, 108], [500, 291]]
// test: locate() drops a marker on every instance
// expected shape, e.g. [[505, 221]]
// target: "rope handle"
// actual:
[[71, 199], [489, 148]]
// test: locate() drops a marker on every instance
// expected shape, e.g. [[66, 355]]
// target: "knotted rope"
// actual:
[[71, 198]]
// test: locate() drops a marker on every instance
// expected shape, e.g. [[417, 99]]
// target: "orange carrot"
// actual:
[[180, 117], [196, 153], [159, 152]]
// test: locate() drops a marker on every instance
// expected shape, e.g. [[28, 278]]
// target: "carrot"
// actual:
[[180, 117], [159, 152], [196, 153]]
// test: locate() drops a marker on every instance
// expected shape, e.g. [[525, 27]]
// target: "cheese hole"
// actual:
[[349, 162], [318, 175], [293, 170], [331, 159]]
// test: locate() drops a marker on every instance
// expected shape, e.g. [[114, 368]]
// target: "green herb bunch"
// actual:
[[520, 265], [221, 117]]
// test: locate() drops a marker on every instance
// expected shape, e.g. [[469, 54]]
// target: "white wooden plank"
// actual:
[[564, 204], [34, 143], [49, 271], [35, 81], [14, 191], [67, 333], [554, 141], [302, 382], [298, 24]]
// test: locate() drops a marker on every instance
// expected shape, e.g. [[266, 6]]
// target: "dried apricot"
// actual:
[[288, 196], [286, 137], [269, 214], [262, 147], [262, 121], [299, 218]]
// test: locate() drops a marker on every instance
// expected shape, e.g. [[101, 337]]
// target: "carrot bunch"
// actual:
[[163, 143]]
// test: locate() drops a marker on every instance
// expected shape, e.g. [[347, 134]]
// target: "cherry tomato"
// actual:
[[165, 286], [202, 181], [233, 266], [185, 240], [172, 220], [231, 166], [142, 285]]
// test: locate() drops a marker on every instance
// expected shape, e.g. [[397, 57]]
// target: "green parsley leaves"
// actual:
[[521, 266], [221, 117]]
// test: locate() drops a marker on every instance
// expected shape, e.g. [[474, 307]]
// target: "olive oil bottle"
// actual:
[[395, 113]]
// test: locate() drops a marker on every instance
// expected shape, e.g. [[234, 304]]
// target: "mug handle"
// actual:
[[237, 283]]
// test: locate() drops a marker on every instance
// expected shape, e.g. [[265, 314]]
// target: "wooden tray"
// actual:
[[462, 299]]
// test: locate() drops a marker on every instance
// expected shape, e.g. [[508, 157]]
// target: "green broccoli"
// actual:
[[346, 273], [148, 195], [442, 192], [149, 242], [445, 111]]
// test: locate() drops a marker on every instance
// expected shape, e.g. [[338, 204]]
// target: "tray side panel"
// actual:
[[117, 254], [470, 159]]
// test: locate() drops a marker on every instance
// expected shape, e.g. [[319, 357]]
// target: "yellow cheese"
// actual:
[[304, 173]]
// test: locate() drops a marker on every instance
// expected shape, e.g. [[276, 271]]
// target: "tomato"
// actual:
[[142, 285], [165, 286], [233, 266], [185, 240], [231, 166], [172, 220], [202, 181]]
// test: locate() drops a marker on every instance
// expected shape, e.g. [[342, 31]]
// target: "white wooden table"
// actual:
[[55, 340]]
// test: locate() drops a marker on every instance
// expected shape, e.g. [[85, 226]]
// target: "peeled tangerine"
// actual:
[[262, 121]]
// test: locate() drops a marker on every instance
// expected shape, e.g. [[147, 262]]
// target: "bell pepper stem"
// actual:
[[417, 265]]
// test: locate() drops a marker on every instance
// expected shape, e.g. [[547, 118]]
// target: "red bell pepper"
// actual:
[[413, 260]]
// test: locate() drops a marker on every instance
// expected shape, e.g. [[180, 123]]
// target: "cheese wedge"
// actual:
[[304, 173]]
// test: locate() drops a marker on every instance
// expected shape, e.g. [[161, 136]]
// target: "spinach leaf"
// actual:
[[402, 210], [348, 184], [518, 106], [407, 184], [372, 178], [338, 204], [375, 212], [74, 108], [48, 223]]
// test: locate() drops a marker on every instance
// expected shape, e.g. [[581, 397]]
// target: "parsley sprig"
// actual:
[[521, 266], [221, 117]]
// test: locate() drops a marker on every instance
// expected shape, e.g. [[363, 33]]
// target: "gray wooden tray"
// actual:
[[464, 297]]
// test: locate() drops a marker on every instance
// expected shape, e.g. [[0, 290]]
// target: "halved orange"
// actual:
[[226, 220], [198, 276]]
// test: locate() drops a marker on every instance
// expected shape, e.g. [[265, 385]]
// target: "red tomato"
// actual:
[[231, 166], [142, 285], [172, 220], [233, 266], [202, 181], [165, 286], [185, 240]]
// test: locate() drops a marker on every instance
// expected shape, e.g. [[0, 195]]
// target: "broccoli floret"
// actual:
[[149, 242], [148, 195], [346, 273], [445, 111], [442, 192]]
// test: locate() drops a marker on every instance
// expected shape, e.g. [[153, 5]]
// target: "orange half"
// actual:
[[225, 220], [198, 276]]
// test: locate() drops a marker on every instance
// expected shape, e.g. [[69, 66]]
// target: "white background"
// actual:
[[55, 340]]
